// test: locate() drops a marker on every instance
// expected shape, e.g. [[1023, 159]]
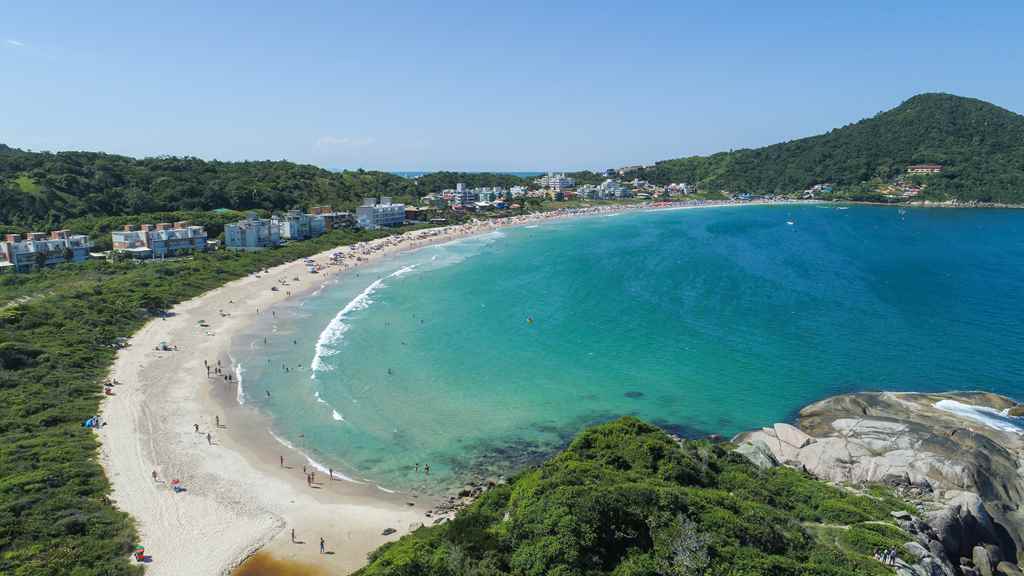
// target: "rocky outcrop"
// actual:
[[958, 457]]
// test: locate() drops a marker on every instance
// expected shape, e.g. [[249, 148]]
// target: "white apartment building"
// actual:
[[556, 181], [372, 214], [253, 233]]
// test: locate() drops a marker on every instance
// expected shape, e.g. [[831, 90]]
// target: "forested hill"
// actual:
[[624, 499], [979, 145], [45, 189]]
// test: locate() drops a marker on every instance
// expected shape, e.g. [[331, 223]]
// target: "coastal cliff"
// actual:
[[956, 457]]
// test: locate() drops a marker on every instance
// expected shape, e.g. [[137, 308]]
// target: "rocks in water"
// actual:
[[388, 532], [960, 473], [633, 394], [415, 526]]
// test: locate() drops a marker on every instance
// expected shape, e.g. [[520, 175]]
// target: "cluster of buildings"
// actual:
[[37, 250], [255, 233], [557, 182], [817, 190], [461, 197]]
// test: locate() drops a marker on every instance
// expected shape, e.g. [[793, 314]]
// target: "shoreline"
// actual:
[[234, 483]]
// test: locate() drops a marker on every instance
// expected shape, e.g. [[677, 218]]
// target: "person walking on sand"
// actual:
[[154, 475], [217, 420], [282, 461], [293, 535], [321, 544], [330, 472], [209, 439], [196, 426]]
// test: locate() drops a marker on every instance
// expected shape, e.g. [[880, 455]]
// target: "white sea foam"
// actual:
[[998, 419], [310, 461], [337, 327], [337, 416], [239, 392], [316, 394]]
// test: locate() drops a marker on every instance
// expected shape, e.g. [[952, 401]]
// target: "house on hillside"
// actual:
[[924, 169]]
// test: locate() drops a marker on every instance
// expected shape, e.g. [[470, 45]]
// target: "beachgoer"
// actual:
[[293, 534], [282, 461], [426, 468], [268, 394], [196, 426], [154, 475], [304, 470], [321, 545], [217, 420], [330, 472], [417, 466], [209, 439]]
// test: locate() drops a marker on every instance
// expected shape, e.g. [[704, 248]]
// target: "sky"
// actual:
[[451, 85]]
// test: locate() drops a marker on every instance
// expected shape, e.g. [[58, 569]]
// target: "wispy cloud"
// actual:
[[13, 42], [329, 142]]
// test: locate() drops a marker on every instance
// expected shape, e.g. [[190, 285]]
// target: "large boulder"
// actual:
[[929, 454], [1008, 569], [758, 453]]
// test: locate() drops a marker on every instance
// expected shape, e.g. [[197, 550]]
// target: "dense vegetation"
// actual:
[[43, 189], [980, 146], [57, 330], [624, 499]]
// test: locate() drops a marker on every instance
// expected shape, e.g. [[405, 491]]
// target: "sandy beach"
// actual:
[[238, 497]]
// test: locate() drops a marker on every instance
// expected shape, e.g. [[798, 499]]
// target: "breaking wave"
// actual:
[[998, 419]]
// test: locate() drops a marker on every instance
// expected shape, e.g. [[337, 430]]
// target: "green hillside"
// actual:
[[624, 499], [43, 189], [980, 145]]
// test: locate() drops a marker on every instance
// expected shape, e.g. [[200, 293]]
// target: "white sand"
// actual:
[[238, 498]]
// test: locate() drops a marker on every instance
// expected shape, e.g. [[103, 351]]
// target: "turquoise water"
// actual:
[[703, 321]]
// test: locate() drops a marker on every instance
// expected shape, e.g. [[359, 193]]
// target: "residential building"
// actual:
[[517, 191], [253, 233], [333, 220], [159, 240], [556, 181], [294, 225], [37, 250], [373, 214], [924, 169]]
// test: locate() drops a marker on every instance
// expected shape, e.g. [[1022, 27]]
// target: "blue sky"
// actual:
[[481, 85]]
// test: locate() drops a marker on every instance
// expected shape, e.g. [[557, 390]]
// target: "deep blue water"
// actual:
[[704, 321]]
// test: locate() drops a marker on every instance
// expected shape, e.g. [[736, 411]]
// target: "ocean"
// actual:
[[483, 355]]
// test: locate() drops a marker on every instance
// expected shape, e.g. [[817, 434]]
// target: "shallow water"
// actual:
[[481, 355]]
